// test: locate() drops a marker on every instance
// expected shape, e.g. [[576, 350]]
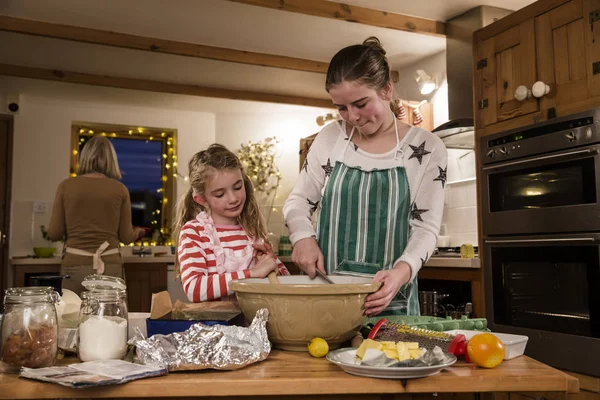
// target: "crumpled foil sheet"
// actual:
[[203, 347]]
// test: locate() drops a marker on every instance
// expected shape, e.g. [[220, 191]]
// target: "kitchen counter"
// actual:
[[434, 261], [143, 275], [168, 259], [296, 375], [452, 262]]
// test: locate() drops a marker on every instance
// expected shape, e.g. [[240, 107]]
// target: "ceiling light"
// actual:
[[426, 83]]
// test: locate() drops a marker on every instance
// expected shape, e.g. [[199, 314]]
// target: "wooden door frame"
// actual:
[[7, 211]]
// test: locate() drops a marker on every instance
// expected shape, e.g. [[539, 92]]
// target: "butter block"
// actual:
[[367, 344], [402, 351]]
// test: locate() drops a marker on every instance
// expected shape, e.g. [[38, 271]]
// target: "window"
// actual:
[[148, 162]]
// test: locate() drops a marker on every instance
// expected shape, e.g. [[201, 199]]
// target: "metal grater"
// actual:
[[405, 333]]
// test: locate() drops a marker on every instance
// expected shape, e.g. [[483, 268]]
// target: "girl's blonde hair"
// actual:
[[202, 168], [99, 155]]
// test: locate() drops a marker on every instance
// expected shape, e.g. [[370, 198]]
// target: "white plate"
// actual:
[[346, 359], [514, 345]]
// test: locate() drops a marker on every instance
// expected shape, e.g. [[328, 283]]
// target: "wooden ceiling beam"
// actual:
[[361, 15], [156, 86], [124, 40]]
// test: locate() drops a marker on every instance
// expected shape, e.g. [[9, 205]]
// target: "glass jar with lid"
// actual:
[[29, 328], [103, 319]]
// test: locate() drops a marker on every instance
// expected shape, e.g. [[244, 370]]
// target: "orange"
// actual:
[[485, 350]]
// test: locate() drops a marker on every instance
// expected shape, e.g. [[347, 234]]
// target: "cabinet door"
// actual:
[[503, 63], [562, 56], [592, 39]]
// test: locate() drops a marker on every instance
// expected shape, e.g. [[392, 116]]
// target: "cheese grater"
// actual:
[[385, 330]]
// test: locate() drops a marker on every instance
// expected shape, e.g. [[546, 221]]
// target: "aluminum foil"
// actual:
[[203, 347]]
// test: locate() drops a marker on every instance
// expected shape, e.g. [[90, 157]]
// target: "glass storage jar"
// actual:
[[29, 328], [103, 319]]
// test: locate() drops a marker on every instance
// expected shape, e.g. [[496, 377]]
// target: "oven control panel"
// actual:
[[554, 135]]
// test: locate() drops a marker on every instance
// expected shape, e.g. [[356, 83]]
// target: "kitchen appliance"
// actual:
[[547, 287], [542, 178], [541, 237], [46, 280], [429, 302], [459, 132]]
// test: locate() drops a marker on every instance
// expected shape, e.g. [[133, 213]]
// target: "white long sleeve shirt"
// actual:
[[425, 161]]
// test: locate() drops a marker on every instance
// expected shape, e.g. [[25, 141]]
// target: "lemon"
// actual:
[[318, 347], [467, 251]]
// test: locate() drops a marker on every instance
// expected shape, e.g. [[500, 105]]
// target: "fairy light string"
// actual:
[[169, 161]]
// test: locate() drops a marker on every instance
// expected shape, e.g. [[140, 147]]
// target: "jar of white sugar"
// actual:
[[103, 319]]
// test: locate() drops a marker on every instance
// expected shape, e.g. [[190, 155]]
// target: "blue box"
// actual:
[[167, 326]]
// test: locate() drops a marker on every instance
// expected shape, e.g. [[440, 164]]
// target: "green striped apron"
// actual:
[[363, 224]]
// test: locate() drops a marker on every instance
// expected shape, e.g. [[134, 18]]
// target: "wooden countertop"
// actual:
[[293, 374], [452, 262], [170, 259], [434, 261]]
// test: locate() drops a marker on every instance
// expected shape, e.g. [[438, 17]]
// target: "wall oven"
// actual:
[[547, 287], [541, 237], [543, 178]]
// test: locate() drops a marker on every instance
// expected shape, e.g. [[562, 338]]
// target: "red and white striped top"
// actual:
[[202, 278]]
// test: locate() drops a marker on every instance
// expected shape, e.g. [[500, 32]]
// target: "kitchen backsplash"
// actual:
[[460, 209]]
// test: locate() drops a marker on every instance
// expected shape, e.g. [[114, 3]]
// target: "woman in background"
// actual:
[[94, 211]]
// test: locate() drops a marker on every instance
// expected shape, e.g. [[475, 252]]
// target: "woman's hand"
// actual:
[[392, 280], [264, 265], [141, 232], [308, 256]]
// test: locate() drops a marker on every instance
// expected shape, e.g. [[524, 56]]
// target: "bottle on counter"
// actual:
[[29, 328], [285, 246], [103, 320]]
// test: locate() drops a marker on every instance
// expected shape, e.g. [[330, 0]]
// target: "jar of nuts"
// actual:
[[29, 329]]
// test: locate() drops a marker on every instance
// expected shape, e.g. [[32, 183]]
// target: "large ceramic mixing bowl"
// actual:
[[301, 308]]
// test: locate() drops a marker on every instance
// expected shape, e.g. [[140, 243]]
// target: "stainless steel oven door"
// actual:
[[547, 288], [554, 192]]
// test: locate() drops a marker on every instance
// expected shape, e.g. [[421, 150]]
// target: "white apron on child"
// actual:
[[227, 260]]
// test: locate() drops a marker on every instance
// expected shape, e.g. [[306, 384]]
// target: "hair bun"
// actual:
[[372, 41]]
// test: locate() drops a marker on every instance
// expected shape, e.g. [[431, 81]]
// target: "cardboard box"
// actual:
[[166, 317]]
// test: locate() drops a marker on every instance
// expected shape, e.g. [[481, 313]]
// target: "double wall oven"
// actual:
[[541, 237]]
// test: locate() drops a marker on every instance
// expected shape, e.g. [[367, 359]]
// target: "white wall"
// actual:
[[460, 209], [407, 89], [289, 124], [43, 126], [42, 140]]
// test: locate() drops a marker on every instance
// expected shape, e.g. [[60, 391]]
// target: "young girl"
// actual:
[[219, 230]]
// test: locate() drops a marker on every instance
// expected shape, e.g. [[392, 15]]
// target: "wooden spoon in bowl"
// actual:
[[273, 278]]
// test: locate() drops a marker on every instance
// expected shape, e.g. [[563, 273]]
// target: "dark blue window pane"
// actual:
[[140, 162]]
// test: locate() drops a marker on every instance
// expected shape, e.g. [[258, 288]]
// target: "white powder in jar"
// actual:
[[102, 338]]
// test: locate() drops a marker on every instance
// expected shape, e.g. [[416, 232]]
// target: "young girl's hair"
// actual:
[[202, 168], [99, 155], [365, 63]]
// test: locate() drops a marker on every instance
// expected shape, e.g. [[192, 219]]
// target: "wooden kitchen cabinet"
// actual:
[[505, 62], [556, 42], [142, 279]]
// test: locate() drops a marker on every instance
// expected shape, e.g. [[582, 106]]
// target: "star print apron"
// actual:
[[364, 220]]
